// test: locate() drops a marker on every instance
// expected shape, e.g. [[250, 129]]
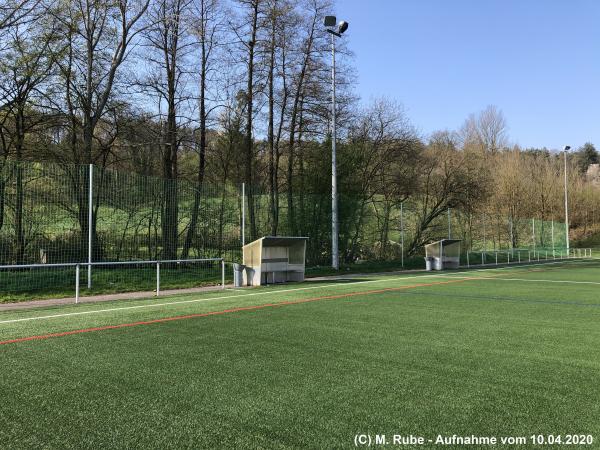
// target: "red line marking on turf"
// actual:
[[227, 311]]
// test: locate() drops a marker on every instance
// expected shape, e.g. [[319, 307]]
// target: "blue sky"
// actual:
[[537, 60]]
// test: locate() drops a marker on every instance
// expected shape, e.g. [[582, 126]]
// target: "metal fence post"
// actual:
[[533, 236], [243, 214], [402, 233], [510, 220], [468, 265], [77, 283], [449, 224], [157, 278], [484, 235], [90, 220], [222, 274]]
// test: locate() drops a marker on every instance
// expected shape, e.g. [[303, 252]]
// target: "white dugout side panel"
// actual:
[[274, 259]]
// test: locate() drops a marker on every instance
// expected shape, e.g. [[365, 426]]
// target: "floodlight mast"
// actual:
[[566, 149], [330, 21]]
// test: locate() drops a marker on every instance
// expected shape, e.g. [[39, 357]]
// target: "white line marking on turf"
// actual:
[[541, 281], [199, 300]]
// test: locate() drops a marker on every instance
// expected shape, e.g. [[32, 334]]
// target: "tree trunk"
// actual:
[[201, 159], [249, 166], [19, 139], [296, 111], [170, 188], [271, 130]]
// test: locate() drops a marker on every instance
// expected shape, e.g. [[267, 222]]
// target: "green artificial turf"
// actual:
[[507, 352]]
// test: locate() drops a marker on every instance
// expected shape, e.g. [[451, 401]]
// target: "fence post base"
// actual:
[[157, 278], [222, 274], [77, 283]]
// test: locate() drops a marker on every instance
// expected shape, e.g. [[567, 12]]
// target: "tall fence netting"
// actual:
[[45, 219]]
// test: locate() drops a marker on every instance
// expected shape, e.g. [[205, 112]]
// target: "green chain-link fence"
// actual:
[[45, 217]]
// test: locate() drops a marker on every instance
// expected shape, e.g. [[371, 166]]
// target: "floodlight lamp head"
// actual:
[[343, 26], [329, 21], [567, 148]]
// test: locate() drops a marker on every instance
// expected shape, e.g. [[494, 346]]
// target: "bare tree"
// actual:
[[169, 43], [208, 17], [15, 12], [448, 178], [101, 33], [97, 38], [383, 151], [247, 34], [487, 130], [309, 57], [27, 66]]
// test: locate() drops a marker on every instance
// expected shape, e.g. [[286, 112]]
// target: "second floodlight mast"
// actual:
[[336, 30], [566, 149]]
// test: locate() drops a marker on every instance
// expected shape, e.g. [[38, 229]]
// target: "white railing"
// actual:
[[505, 257], [156, 263]]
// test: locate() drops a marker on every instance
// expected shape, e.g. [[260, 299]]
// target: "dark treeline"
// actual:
[[215, 93]]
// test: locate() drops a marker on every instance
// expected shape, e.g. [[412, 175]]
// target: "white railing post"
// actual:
[[533, 236], [468, 265], [90, 220], [552, 234], [77, 283], [222, 274], [157, 278]]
